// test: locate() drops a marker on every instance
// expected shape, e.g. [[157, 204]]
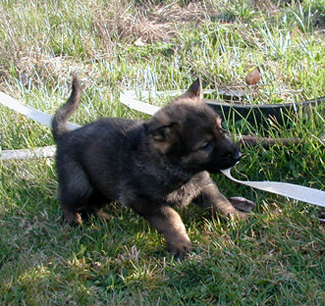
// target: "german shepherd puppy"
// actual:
[[151, 166]]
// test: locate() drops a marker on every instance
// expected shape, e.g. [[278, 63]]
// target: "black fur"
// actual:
[[150, 166]]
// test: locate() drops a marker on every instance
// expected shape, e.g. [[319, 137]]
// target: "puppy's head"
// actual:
[[189, 133]]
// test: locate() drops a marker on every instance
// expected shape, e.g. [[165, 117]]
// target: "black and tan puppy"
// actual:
[[151, 166]]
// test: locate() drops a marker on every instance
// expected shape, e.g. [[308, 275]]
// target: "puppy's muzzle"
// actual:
[[236, 157], [229, 159]]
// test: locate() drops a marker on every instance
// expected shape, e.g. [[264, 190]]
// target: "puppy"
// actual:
[[150, 166]]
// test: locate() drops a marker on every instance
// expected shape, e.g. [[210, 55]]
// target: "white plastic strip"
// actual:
[[129, 98], [29, 111], [297, 192], [42, 152], [36, 115]]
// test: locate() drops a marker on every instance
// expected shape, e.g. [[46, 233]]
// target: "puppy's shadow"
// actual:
[[121, 228]]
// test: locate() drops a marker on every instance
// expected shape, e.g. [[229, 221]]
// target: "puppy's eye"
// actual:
[[207, 145]]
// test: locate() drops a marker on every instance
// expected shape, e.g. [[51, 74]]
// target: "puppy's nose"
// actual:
[[236, 156], [229, 159], [233, 156]]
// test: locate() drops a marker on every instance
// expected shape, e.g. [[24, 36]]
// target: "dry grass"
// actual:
[[148, 23]]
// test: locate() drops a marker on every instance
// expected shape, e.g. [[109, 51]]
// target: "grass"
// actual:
[[274, 258]]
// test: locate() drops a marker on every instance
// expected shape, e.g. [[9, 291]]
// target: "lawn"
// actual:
[[276, 257]]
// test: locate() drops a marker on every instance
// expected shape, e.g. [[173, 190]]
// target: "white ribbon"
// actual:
[[36, 115], [29, 112], [297, 192]]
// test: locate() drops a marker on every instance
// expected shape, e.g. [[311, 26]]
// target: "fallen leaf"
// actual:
[[253, 77]]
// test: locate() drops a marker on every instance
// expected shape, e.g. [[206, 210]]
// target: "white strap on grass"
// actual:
[[28, 111], [129, 98], [36, 115], [42, 152], [297, 192]]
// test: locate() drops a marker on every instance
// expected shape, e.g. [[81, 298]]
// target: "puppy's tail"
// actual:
[[59, 123]]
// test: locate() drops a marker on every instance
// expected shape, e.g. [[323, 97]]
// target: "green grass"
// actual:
[[274, 258]]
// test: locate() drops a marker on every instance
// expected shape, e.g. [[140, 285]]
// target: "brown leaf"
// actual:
[[253, 77]]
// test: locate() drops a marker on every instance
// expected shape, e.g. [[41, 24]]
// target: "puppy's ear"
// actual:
[[158, 127], [161, 130], [158, 132], [194, 91]]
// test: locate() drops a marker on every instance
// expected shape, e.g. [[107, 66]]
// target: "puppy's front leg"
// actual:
[[210, 197], [169, 223]]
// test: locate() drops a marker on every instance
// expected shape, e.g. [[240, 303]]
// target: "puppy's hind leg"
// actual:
[[96, 204], [74, 192], [72, 217]]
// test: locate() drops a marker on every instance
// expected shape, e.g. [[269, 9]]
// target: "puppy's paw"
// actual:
[[72, 218], [103, 215], [242, 204], [180, 249], [75, 221]]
